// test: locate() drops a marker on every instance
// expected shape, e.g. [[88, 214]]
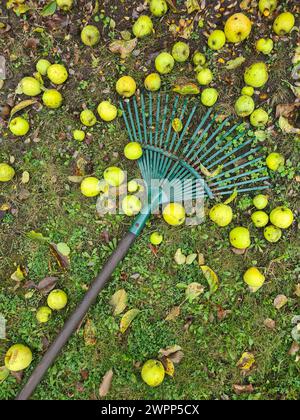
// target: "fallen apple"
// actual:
[[240, 237], [19, 126], [275, 161], [30, 86], [90, 187], [64, 5], [114, 176], [266, 7], [221, 214], [216, 40], [52, 98], [43, 314], [57, 74], [209, 96], [260, 201], [107, 111], [79, 135], [143, 27], [153, 82], [282, 217], [57, 300], [174, 214], [90, 35], [158, 7], [244, 106], [126, 86], [153, 373], [199, 59], [237, 28], [88, 118], [260, 219], [259, 118], [284, 23], [254, 279], [181, 52], [131, 205], [133, 150], [156, 238], [132, 186], [6, 172], [164, 63], [248, 91], [205, 77], [18, 358], [256, 75], [265, 45], [272, 234], [42, 66]]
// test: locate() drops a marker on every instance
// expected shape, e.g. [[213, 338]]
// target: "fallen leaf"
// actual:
[[119, 301], [245, 4], [193, 291], [232, 197], [63, 249], [76, 179], [106, 383], [62, 260], [179, 258], [286, 127], [233, 64], [22, 105], [201, 259], [209, 174], [174, 353], [222, 313], [190, 259], [169, 366], [4, 373], [127, 319], [122, 47], [89, 333], [297, 291], [295, 348], [192, 6], [19, 274], [37, 236], [186, 88], [243, 389], [173, 314], [49, 9], [246, 362], [211, 277], [270, 324], [47, 284], [25, 177], [172, 4], [280, 301], [177, 125]]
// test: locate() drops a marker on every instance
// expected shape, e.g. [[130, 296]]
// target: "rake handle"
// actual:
[[76, 318]]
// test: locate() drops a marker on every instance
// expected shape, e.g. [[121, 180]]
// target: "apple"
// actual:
[[90, 35], [131, 205], [209, 96], [164, 63], [88, 118], [254, 279], [256, 75], [57, 73], [132, 186], [259, 118], [244, 106], [90, 187], [221, 214], [205, 77], [260, 201], [265, 45], [153, 82], [158, 7], [199, 59], [19, 126], [272, 234], [266, 7], [126, 86], [156, 238], [6, 172], [57, 299], [237, 28], [260, 219], [133, 151], [79, 135], [18, 357], [65, 5], [180, 52], [30, 86], [52, 98], [43, 314], [114, 176], [174, 214], [275, 161], [284, 23], [42, 66], [282, 217], [240, 237], [248, 91], [216, 40], [107, 111], [153, 373], [143, 27]]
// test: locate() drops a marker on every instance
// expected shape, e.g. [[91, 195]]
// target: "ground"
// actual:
[[212, 340]]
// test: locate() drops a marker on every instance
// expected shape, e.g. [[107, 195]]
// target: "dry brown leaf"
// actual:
[[106, 383], [47, 284], [297, 291], [243, 389], [62, 260], [270, 324], [280, 301], [122, 47], [295, 348], [169, 366], [89, 333], [174, 353], [173, 314]]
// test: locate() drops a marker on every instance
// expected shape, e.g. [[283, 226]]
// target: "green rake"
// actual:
[[177, 161]]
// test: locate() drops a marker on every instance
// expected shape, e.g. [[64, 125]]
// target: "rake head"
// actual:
[[209, 157]]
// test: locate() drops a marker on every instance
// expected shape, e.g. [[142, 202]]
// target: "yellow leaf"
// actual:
[[21, 105], [173, 314], [246, 362], [124, 48], [19, 274], [232, 197], [233, 64], [186, 88], [209, 174], [127, 319], [89, 333], [25, 177], [192, 6], [286, 127], [211, 278], [119, 301], [179, 257], [169, 366]]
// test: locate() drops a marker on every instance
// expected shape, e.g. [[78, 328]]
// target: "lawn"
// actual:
[[213, 330]]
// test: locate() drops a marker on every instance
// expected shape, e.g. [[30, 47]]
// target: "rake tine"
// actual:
[[157, 129], [137, 117], [185, 128], [254, 171], [237, 184], [237, 168], [242, 190], [229, 154], [217, 143], [126, 122], [145, 157], [212, 136], [198, 141], [196, 132]]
